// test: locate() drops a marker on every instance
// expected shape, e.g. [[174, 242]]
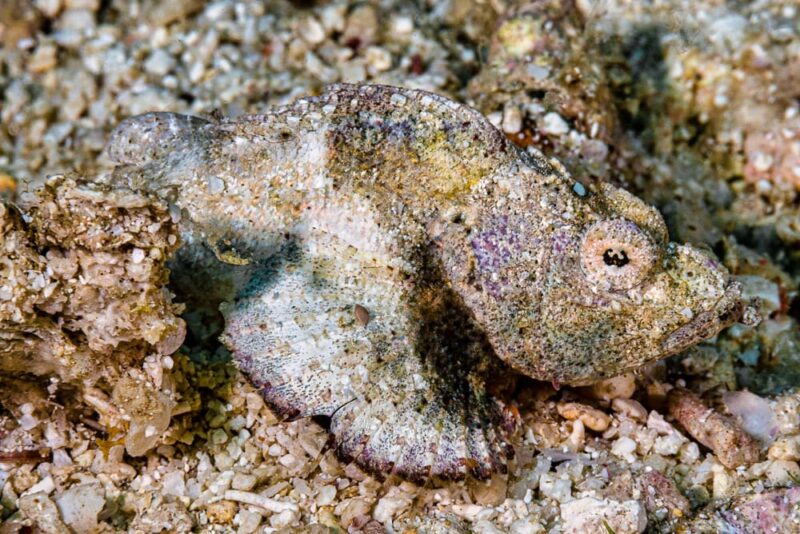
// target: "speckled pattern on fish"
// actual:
[[404, 259]]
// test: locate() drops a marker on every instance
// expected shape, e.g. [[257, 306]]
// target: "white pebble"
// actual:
[[669, 445], [283, 519], [46, 485], [80, 506], [243, 481], [594, 515], [49, 8], [378, 58], [559, 489], [248, 521], [326, 495], [173, 483], [512, 120], [623, 448], [43, 59], [402, 25], [312, 31], [159, 63], [553, 124], [689, 452], [391, 504]]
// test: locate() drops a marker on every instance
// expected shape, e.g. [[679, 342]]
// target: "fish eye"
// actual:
[[616, 257], [616, 254]]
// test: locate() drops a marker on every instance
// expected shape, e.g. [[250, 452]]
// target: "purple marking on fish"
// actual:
[[494, 248], [562, 241]]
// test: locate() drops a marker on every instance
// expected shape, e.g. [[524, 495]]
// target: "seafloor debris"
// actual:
[[387, 312], [83, 302], [770, 511], [732, 445]]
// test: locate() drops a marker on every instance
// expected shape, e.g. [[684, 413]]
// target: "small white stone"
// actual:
[[467, 511], [80, 506], [689, 452], [43, 59], [49, 8], [378, 58], [594, 515], [312, 31], [623, 448], [559, 489], [217, 11], [402, 25], [160, 63], [512, 119], [78, 20], [669, 444], [138, 255], [655, 421], [248, 521], [243, 481], [353, 72], [46, 485], [284, 519], [393, 503], [173, 483], [538, 72], [332, 17], [325, 495], [484, 526], [553, 124], [723, 484], [525, 526], [783, 472], [196, 71], [219, 436]]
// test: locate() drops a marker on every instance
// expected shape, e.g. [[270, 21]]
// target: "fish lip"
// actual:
[[728, 309]]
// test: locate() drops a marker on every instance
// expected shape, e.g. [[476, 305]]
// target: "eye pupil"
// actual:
[[615, 258]]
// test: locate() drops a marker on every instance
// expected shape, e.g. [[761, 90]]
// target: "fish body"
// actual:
[[403, 259]]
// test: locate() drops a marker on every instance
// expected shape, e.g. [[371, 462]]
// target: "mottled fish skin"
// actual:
[[406, 255]]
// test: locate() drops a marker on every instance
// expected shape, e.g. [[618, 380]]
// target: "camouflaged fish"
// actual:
[[404, 257]]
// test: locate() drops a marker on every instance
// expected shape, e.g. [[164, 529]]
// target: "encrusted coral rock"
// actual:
[[405, 255], [83, 296], [723, 435]]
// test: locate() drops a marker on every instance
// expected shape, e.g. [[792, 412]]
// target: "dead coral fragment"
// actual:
[[732, 445], [83, 278]]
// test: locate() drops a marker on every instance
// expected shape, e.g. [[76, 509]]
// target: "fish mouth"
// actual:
[[730, 308]]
